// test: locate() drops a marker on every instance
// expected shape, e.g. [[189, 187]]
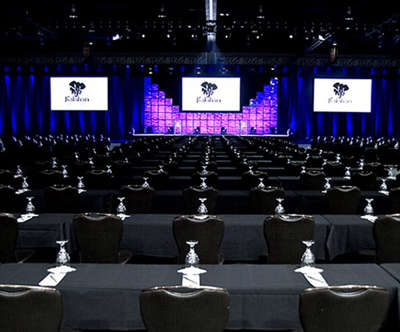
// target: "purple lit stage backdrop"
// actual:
[[160, 114]]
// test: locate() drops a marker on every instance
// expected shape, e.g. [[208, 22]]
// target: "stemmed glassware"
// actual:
[[76, 156], [18, 171], [192, 258], [383, 187], [121, 208], [25, 185], [369, 210], [347, 174], [63, 257], [261, 185], [251, 169], [361, 164], [161, 169], [64, 171], [327, 185], [53, 162], [30, 208], [279, 209], [109, 170], [303, 169], [204, 171], [80, 183], [308, 258], [391, 175], [145, 183], [338, 157], [202, 208], [91, 162], [203, 184]]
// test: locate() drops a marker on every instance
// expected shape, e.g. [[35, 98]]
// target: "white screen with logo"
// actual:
[[211, 94], [79, 93], [342, 95]]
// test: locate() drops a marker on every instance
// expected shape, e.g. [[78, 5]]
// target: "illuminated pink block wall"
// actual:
[[160, 114]]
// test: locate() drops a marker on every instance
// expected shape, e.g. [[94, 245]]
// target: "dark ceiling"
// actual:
[[302, 27]]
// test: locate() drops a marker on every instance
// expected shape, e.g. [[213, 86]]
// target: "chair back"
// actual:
[[387, 238], [61, 199], [364, 180], [264, 200], [394, 195], [98, 236], [179, 309], [8, 237], [284, 235], [98, 179], [6, 177], [191, 199], [209, 233], [9, 201], [137, 198], [343, 308], [343, 200], [312, 180], [30, 309], [334, 168]]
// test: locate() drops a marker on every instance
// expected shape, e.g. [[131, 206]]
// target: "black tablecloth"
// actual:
[[347, 234], [262, 296]]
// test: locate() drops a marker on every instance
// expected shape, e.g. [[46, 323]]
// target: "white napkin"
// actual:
[[123, 216], [369, 218], [191, 276], [384, 192], [313, 276], [26, 217], [21, 191], [80, 191], [52, 279], [61, 269]]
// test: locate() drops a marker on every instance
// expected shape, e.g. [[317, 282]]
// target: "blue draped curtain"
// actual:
[[296, 104], [25, 103]]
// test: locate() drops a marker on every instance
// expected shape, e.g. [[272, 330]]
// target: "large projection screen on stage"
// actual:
[[210, 94], [342, 95], [79, 93]]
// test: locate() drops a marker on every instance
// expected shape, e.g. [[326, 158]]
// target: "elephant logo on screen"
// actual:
[[208, 88], [76, 88], [340, 89]]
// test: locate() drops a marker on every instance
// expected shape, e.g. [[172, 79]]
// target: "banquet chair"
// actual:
[[191, 197], [30, 309], [314, 162], [343, 309], [138, 199], [158, 180], [284, 235], [6, 177], [9, 201], [61, 199], [182, 309], [312, 180], [294, 167], [8, 241], [334, 168], [343, 200], [394, 195], [98, 179], [377, 168], [386, 232], [263, 201], [209, 233], [98, 236], [48, 177], [251, 180], [364, 180]]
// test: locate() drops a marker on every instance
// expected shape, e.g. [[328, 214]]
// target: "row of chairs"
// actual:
[[202, 309]]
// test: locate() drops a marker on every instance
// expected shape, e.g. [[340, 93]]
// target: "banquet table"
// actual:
[[106, 296]]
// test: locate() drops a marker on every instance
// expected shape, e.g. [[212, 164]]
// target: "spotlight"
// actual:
[[290, 36], [143, 35]]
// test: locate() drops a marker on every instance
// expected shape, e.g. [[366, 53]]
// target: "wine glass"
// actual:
[[53, 162], [145, 183], [361, 163], [383, 186], [369, 210], [279, 208], [76, 156], [121, 208], [192, 258], [30, 208], [338, 157], [91, 162], [109, 170], [204, 171], [327, 185], [202, 208], [203, 184], [251, 169], [63, 257], [64, 171], [261, 184], [80, 183], [161, 169], [25, 185], [347, 174], [308, 258], [391, 173], [18, 171], [325, 161], [303, 170]]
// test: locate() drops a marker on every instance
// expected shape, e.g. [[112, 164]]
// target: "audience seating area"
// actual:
[[128, 210]]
